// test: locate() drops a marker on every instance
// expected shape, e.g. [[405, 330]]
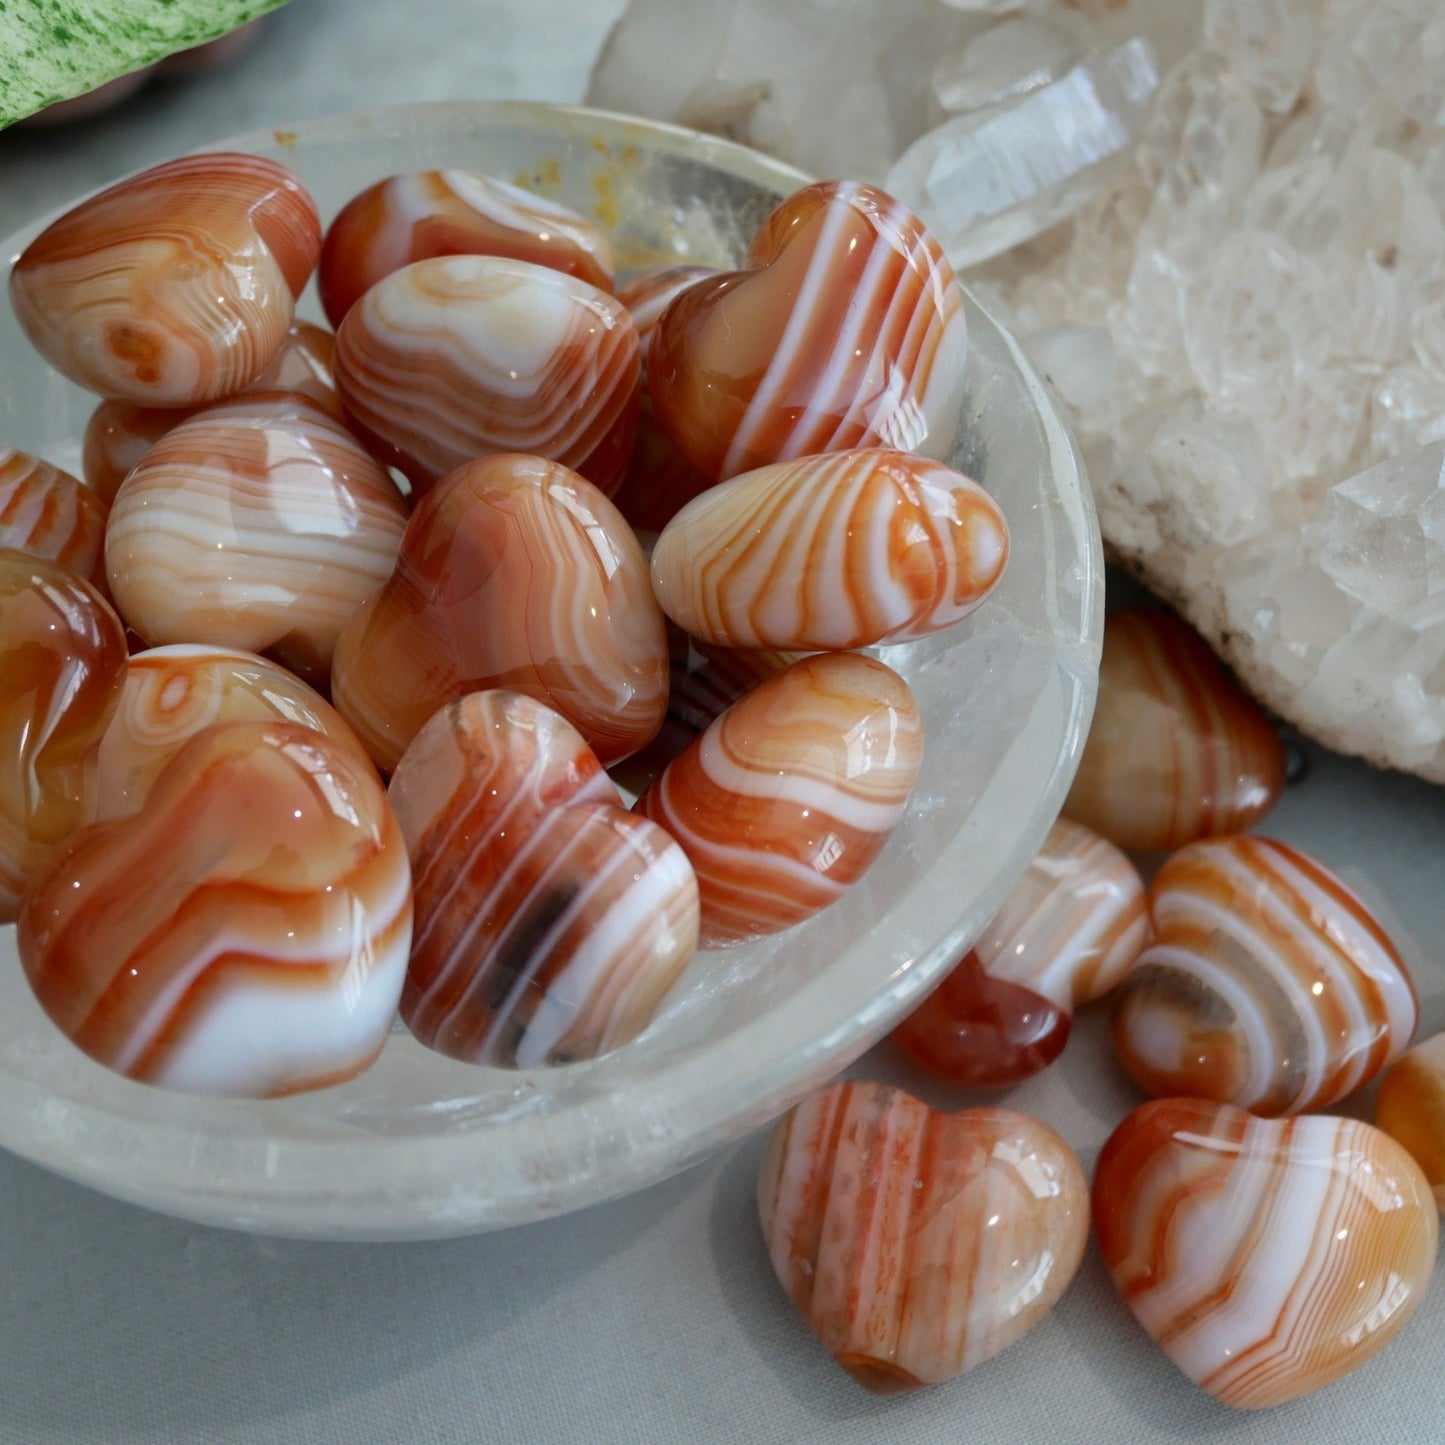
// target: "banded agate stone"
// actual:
[[514, 572], [260, 523], [459, 357], [916, 1244], [1268, 984], [550, 921], [48, 513], [844, 329], [1176, 751], [172, 693], [1410, 1108], [62, 665], [245, 933], [173, 287], [1265, 1257], [422, 214], [838, 551], [1065, 936], [787, 797]]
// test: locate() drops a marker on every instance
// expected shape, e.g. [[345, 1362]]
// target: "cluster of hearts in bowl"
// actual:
[[213, 889], [421, 1144]]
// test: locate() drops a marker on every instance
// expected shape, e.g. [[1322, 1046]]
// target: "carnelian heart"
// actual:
[[549, 921], [1265, 1257], [847, 330], [244, 934], [62, 664], [1065, 936], [514, 572], [1176, 752], [918, 1244], [48, 513], [173, 287]]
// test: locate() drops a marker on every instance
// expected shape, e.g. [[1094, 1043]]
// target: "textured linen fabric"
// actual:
[[656, 1318]]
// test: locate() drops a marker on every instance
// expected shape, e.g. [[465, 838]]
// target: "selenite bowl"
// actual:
[[421, 1146]]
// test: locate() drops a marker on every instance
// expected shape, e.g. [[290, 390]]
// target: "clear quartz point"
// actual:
[[987, 182]]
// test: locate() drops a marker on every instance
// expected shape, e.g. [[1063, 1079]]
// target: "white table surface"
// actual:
[[655, 1318]]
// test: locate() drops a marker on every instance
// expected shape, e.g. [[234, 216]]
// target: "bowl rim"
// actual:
[[729, 1093]]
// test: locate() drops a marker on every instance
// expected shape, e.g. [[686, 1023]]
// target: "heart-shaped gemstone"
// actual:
[[48, 513], [120, 433], [245, 933], [1410, 1108], [1268, 984], [514, 572], [1176, 751], [260, 523], [836, 551], [659, 480], [457, 357], [550, 921], [172, 693], [917, 1244], [174, 287], [422, 214], [1065, 936], [846, 330], [786, 799], [1265, 1257], [62, 662]]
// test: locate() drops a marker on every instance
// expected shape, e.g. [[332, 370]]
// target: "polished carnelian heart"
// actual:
[[62, 664], [1065, 936], [550, 921], [787, 798], [918, 1244], [1265, 1257], [1176, 752], [514, 572], [172, 693], [846, 330], [1268, 984], [48, 513], [423, 214], [1410, 1108], [174, 287], [245, 933]]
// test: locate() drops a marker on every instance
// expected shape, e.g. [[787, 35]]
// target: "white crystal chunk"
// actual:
[[1384, 537], [985, 183], [1004, 63], [1268, 44], [1269, 266], [1077, 361]]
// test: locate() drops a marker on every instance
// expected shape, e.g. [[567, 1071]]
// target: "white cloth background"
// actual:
[[655, 1318]]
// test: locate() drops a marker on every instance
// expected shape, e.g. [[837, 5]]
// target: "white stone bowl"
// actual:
[[422, 1146]]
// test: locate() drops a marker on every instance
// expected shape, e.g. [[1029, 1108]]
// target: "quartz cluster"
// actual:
[[1227, 225]]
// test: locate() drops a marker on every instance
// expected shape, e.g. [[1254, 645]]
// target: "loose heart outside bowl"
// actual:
[[422, 1147]]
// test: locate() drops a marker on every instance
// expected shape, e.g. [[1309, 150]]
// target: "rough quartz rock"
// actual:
[[1228, 222], [990, 180], [1005, 63], [1248, 326]]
